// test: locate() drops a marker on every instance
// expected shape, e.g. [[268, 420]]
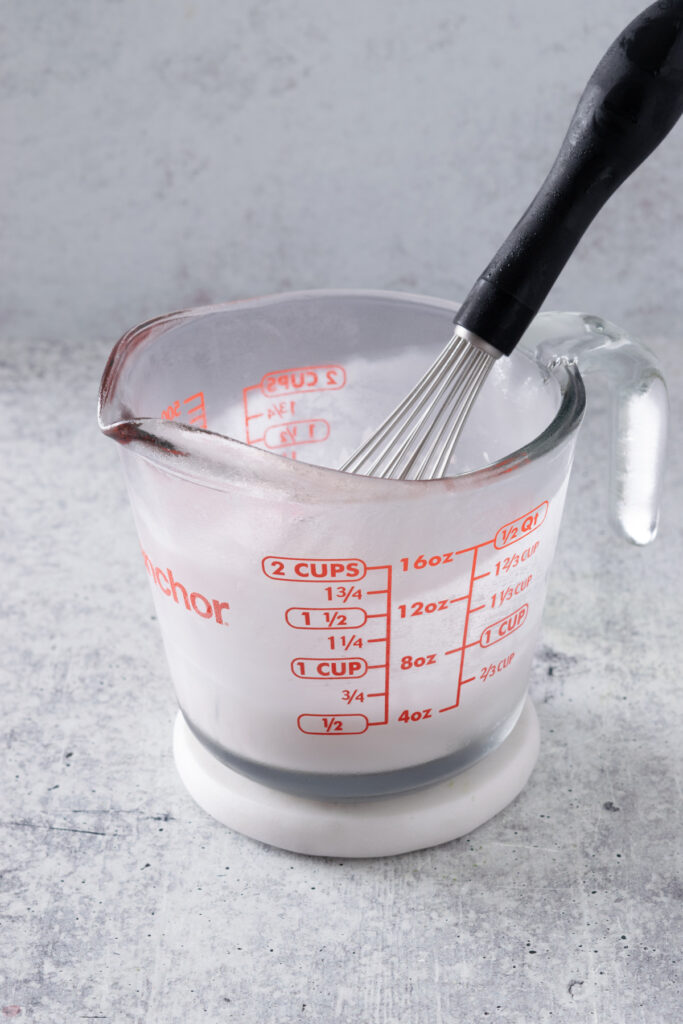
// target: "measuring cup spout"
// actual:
[[613, 363], [198, 455], [123, 409], [134, 410]]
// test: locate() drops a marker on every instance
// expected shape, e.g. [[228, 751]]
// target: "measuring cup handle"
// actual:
[[639, 412]]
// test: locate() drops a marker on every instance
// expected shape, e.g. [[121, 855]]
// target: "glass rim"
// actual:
[[273, 469]]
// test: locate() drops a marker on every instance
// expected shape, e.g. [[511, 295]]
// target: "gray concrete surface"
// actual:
[[122, 901]]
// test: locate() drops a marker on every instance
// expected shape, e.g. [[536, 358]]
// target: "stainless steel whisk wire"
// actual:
[[416, 441]]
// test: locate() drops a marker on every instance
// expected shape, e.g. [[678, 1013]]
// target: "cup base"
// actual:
[[379, 827]]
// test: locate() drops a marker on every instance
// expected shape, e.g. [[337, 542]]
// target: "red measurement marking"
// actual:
[[326, 618], [284, 391], [280, 410], [490, 670], [332, 725], [195, 414], [516, 558], [461, 683], [344, 642], [301, 379], [507, 593], [461, 680], [424, 562], [313, 570], [344, 593], [172, 411], [465, 647], [501, 629], [387, 653], [297, 432], [521, 527], [421, 715], [247, 415], [329, 668], [336, 648], [429, 608]]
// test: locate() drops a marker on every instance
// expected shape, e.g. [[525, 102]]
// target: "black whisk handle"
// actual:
[[632, 100]]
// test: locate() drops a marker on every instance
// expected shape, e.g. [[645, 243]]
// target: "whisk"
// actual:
[[632, 100]]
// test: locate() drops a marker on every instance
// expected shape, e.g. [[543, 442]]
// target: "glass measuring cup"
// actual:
[[335, 636]]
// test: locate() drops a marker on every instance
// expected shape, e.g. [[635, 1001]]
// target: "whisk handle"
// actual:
[[632, 100]]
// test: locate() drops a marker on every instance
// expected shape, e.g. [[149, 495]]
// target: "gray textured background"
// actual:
[[167, 153]]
